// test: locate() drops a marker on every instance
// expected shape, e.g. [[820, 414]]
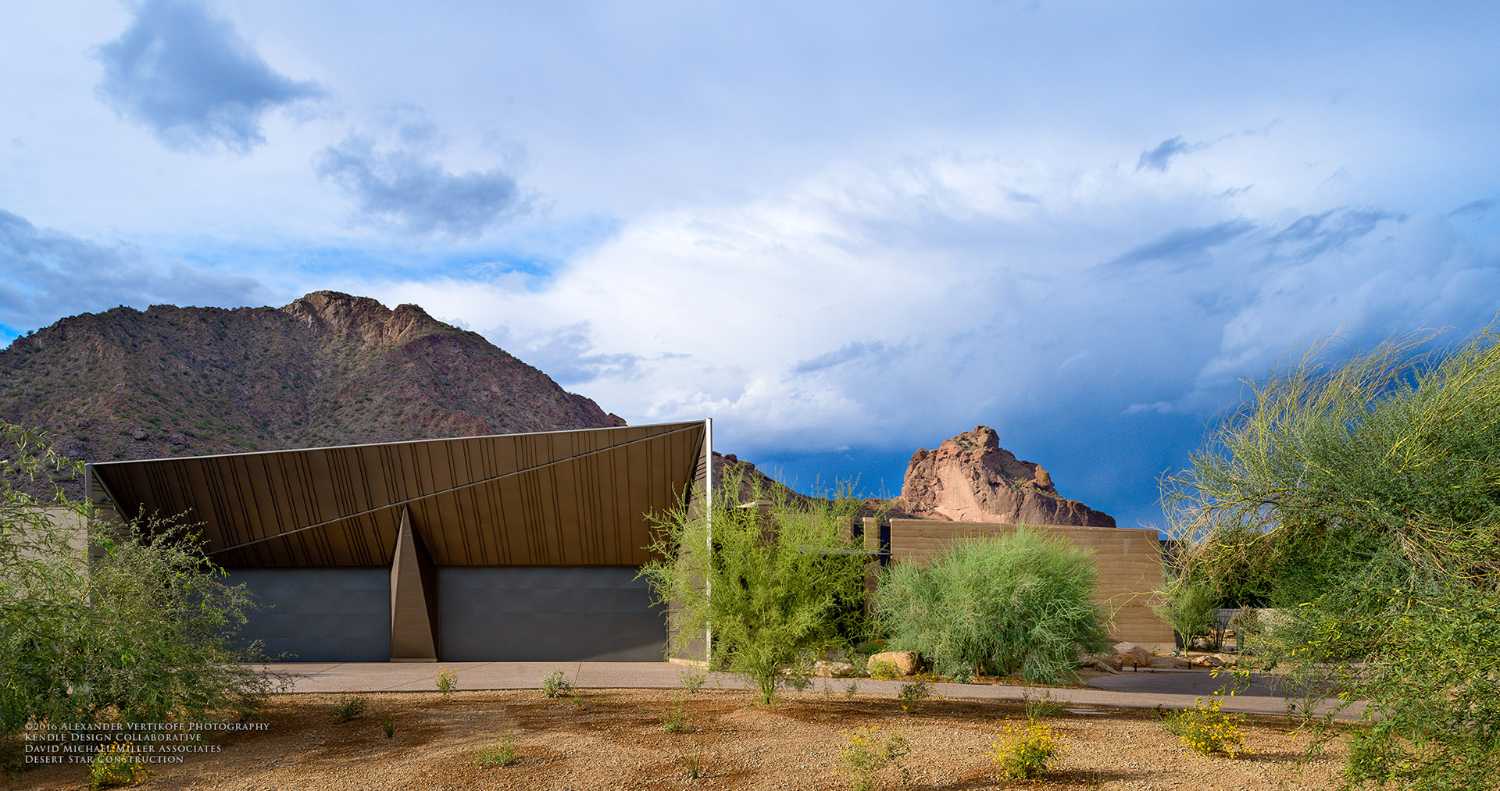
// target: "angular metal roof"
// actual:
[[559, 498]]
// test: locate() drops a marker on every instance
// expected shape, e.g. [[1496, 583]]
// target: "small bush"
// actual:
[[447, 681], [349, 708], [867, 752], [1022, 752], [692, 767], [1018, 604], [388, 727], [692, 680], [116, 765], [884, 670], [1042, 706], [676, 719], [1189, 608], [1206, 729], [501, 753], [912, 694], [556, 685]]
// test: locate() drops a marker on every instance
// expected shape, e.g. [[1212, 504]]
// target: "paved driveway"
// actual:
[[1132, 690]]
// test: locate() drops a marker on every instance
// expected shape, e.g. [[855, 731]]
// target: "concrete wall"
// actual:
[[320, 614], [1128, 562], [535, 613]]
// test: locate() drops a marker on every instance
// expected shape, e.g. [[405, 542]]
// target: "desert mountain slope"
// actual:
[[328, 369]]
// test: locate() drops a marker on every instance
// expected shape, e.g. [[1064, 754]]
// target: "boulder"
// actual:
[[1170, 663], [1207, 660], [970, 478], [836, 668], [905, 662], [1132, 656]]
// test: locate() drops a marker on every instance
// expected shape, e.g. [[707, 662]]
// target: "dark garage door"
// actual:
[[533, 613], [341, 615]]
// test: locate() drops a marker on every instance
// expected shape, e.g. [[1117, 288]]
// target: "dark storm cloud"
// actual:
[[191, 78], [1184, 243], [52, 274], [405, 188]]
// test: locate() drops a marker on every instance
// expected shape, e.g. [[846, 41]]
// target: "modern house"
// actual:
[[510, 547]]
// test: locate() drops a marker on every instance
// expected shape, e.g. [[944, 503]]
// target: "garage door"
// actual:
[[522, 614], [329, 615]]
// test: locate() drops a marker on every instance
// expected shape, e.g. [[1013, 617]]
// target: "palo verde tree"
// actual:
[[104, 620], [1362, 501], [779, 583]]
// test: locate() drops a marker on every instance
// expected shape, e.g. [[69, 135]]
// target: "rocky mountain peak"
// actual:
[[362, 318], [970, 478]]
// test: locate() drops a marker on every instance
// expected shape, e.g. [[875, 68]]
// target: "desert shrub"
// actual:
[[447, 681], [867, 752], [1020, 603], [692, 767], [116, 765], [100, 619], [912, 694], [388, 727], [1023, 751], [1206, 728], [676, 719], [692, 680], [779, 586], [884, 670], [1362, 501], [349, 708], [1189, 607], [556, 685], [501, 753], [1041, 706]]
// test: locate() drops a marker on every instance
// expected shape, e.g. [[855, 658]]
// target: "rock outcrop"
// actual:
[[970, 478]]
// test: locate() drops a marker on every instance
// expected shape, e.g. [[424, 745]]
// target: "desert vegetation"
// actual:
[[780, 586], [1020, 604], [105, 621], [1362, 502]]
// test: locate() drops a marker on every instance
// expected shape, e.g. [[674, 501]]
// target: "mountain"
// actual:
[[970, 478], [328, 369]]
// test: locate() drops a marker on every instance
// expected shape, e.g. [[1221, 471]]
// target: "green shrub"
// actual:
[[501, 753], [1189, 608], [388, 727], [1041, 706], [1361, 501], [692, 680], [101, 619], [884, 670], [867, 752], [556, 685], [116, 765], [783, 585], [676, 719], [1020, 603], [1206, 729], [447, 681], [349, 708], [1022, 752], [912, 694]]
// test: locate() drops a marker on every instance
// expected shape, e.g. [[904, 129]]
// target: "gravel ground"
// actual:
[[613, 739]]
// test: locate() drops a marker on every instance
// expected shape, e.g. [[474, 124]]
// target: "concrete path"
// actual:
[[1164, 689]]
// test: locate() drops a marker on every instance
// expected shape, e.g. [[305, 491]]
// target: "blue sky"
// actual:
[[844, 231]]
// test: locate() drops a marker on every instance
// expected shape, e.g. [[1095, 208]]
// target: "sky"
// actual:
[[842, 230]]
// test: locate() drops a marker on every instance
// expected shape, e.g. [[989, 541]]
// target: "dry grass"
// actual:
[[613, 739]]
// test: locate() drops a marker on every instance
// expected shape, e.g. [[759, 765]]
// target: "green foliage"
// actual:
[[867, 752], [692, 680], [106, 620], [1363, 502], [1041, 706], [781, 585], [116, 765], [884, 670], [1206, 729], [912, 694], [499, 754], [1020, 603], [447, 681], [350, 708], [1022, 752], [1189, 607], [556, 685], [676, 719], [388, 727]]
